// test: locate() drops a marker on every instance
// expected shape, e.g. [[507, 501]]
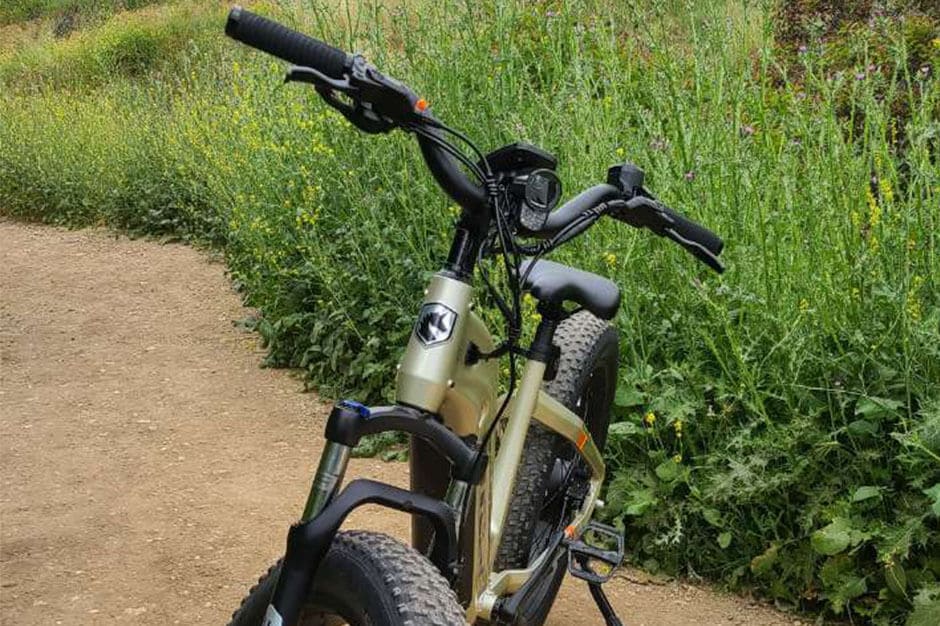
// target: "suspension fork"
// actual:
[[309, 540], [329, 476]]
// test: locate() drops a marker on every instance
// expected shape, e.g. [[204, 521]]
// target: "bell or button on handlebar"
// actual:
[[628, 178]]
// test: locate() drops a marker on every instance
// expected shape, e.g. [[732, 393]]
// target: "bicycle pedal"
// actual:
[[590, 555]]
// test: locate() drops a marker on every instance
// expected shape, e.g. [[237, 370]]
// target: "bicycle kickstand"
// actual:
[[603, 605]]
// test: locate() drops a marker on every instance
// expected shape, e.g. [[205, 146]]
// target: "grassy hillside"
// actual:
[[17, 11], [777, 427]]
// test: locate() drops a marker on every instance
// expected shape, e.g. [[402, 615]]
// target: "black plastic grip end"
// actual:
[[231, 24], [278, 40]]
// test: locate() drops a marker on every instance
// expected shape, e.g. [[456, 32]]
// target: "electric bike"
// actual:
[[503, 486]]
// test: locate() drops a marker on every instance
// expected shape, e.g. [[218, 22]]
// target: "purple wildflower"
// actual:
[[747, 130], [659, 143], [690, 175]]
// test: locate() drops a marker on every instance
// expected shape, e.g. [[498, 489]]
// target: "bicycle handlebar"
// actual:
[[570, 210], [640, 211], [284, 43], [389, 103]]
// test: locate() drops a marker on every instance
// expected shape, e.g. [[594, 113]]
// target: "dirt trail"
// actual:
[[149, 467]]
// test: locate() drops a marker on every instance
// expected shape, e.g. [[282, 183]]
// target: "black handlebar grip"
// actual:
[[278, 40], [694, 232]]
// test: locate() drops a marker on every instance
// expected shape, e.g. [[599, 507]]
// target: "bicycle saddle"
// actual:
[[554, 284]]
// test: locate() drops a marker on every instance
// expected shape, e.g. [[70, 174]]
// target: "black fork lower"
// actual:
[[309, 540]]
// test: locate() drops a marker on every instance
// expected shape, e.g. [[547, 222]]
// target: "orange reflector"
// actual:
[[569, 532], [421, 105], [583, 439]]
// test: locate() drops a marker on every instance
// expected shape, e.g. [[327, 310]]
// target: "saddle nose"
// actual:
[[555, 284]]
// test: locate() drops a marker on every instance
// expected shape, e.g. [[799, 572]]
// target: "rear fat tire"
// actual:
[[588, 345], [366, 579]]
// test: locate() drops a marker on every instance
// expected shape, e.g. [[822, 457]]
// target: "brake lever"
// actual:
[[644, 211], [302, 74], [696, 249], [359, 114]]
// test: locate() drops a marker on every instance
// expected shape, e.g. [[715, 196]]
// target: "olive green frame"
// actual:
[[438, 378]]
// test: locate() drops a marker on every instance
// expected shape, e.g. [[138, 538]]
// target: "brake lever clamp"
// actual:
[[640, 211], [359, 113], [387, 94]]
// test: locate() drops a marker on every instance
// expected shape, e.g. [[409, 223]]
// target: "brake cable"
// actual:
[[450, 149]]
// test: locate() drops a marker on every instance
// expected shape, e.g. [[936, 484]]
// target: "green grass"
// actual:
[[127, 43], [21, 10], [794, 443]]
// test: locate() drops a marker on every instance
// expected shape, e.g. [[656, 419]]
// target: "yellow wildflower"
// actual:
[[913, 307], [677, 459], [874, 211], [620, 152], [610, 259], [887, 192], [936, 43], [650, 418], [677, 425], [804, 305]]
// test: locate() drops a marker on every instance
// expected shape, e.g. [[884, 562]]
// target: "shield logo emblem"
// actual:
[[435, 323]]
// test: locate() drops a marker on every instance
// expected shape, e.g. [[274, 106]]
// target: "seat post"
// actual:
[[542, 348]]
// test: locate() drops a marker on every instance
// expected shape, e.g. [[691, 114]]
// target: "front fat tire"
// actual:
[[366, 579]]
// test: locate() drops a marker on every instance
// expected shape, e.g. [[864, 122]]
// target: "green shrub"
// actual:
[[125, 44], [864, 39], [776, 427], [21, 10]]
